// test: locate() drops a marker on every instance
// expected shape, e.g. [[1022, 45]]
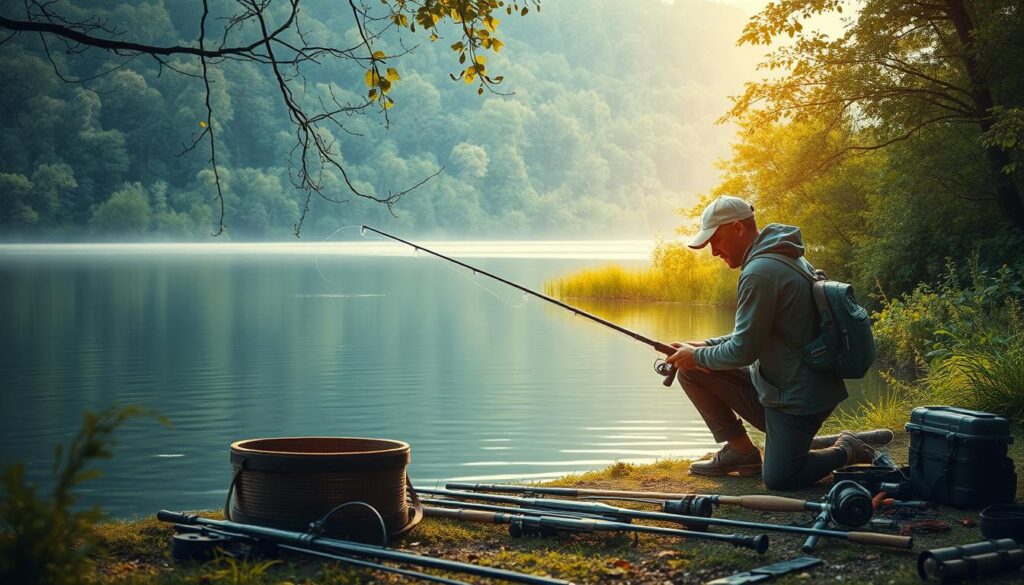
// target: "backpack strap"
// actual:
[[817, 280], [815, 277]]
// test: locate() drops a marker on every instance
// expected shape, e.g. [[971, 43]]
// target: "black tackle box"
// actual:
[[958, 457]]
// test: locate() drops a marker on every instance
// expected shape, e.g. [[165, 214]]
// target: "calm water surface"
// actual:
[[352, 339]]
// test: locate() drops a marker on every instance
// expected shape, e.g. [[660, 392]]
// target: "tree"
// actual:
[[272, 35], [900, 68], [127, 210]]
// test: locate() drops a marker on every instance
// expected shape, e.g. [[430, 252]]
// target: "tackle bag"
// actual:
[[959, 457], [845, 345]]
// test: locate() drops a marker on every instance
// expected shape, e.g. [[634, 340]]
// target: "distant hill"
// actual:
[[609, 128]]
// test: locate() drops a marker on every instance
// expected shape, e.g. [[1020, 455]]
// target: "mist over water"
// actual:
[[246, 341]]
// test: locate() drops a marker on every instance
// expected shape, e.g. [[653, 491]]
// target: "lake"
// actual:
[[365, 338]]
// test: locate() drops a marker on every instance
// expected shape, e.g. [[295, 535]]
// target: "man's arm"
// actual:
[[755, 313]]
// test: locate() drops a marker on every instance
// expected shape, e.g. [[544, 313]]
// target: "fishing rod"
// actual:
[[598, 508], [671, 502], [661, 367], [233, 536], [308, 540], [525, 522], [491, 508]]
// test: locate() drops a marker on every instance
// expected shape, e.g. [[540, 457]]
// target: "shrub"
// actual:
[[46, 540]]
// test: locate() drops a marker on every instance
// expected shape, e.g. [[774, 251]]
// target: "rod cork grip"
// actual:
[[767, 503], [892, 540], [469, 515]]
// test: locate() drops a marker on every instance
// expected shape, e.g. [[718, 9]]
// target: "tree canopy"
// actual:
[[600, 130], [896, 145]]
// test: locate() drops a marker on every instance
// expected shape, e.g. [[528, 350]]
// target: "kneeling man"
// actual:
[[755, 373]]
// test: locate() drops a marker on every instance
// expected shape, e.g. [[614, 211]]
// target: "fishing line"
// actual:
[[663, 368], [523, 300]]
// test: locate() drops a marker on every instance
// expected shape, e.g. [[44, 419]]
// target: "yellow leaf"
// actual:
[[372, 78], [491, 23], [372, 94], [458, 46], [393, 74], [202, 123], [388, 103], [433, 37], [480, 59], [496, 45], [385, 86], [469, 75], [379, 55]]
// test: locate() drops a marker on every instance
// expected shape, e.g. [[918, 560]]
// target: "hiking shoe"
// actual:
[[857, 451], [728, 461], [875, 438]]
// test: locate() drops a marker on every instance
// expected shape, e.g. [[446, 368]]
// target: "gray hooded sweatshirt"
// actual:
[[772, 298]]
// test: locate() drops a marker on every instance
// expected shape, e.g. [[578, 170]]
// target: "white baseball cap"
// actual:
[[725, 209]]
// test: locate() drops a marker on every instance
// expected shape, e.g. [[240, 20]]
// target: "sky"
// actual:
[[831, 24]]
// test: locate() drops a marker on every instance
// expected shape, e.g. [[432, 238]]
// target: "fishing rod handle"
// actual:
[[891, 540], [819, 524], [769, 503], [758, 543], [176, 517], [461, 514]]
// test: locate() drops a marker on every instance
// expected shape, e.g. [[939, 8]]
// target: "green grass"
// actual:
[[138, 549], [676, 274]]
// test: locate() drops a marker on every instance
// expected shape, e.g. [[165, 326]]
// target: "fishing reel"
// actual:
[[197, 544], [665, 369], [690, 506], [849, 504]]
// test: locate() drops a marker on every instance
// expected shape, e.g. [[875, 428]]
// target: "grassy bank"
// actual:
[[676, 274], [958, 342], [137, 549]]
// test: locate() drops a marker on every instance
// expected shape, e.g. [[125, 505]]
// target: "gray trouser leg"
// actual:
[[788, 462], [722, 398]]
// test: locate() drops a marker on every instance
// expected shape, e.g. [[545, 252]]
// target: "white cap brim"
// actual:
[[701, 239]]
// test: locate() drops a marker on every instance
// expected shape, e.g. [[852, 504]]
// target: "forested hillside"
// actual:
[[609, 127]]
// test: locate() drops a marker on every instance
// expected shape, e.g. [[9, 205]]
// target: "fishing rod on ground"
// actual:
[[490, 508], [846, 503], [661, 367], [255, 542], [529, 522], [598, 508], [312, 541]]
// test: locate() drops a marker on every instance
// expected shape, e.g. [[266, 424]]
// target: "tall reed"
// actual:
[[676, 274]]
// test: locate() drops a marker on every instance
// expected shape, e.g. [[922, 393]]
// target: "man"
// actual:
[[753, 374]]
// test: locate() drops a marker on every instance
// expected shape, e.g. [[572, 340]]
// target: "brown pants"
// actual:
[[724, 397]]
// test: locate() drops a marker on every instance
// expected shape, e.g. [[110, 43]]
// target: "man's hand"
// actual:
[[683, 359]]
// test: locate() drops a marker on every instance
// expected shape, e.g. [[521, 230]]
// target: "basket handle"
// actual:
[[231, 489], [417, 506]]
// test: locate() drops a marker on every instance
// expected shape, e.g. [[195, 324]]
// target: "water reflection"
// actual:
[[239, 344]]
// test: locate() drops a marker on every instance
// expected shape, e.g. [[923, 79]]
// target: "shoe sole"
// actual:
[[741, 470]]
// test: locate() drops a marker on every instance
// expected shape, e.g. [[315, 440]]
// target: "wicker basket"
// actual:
[[291, 482]]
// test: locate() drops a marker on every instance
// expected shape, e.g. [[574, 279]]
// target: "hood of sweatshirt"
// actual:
[[776, 238]]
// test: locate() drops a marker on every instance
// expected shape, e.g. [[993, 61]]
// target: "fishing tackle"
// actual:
[[597, 508], [661, 367], [535, 520], [308, 541]]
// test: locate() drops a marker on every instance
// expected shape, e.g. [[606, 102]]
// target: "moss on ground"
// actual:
[[137, 550]]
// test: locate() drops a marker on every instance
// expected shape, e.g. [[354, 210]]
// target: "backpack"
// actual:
[[845, 345]]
